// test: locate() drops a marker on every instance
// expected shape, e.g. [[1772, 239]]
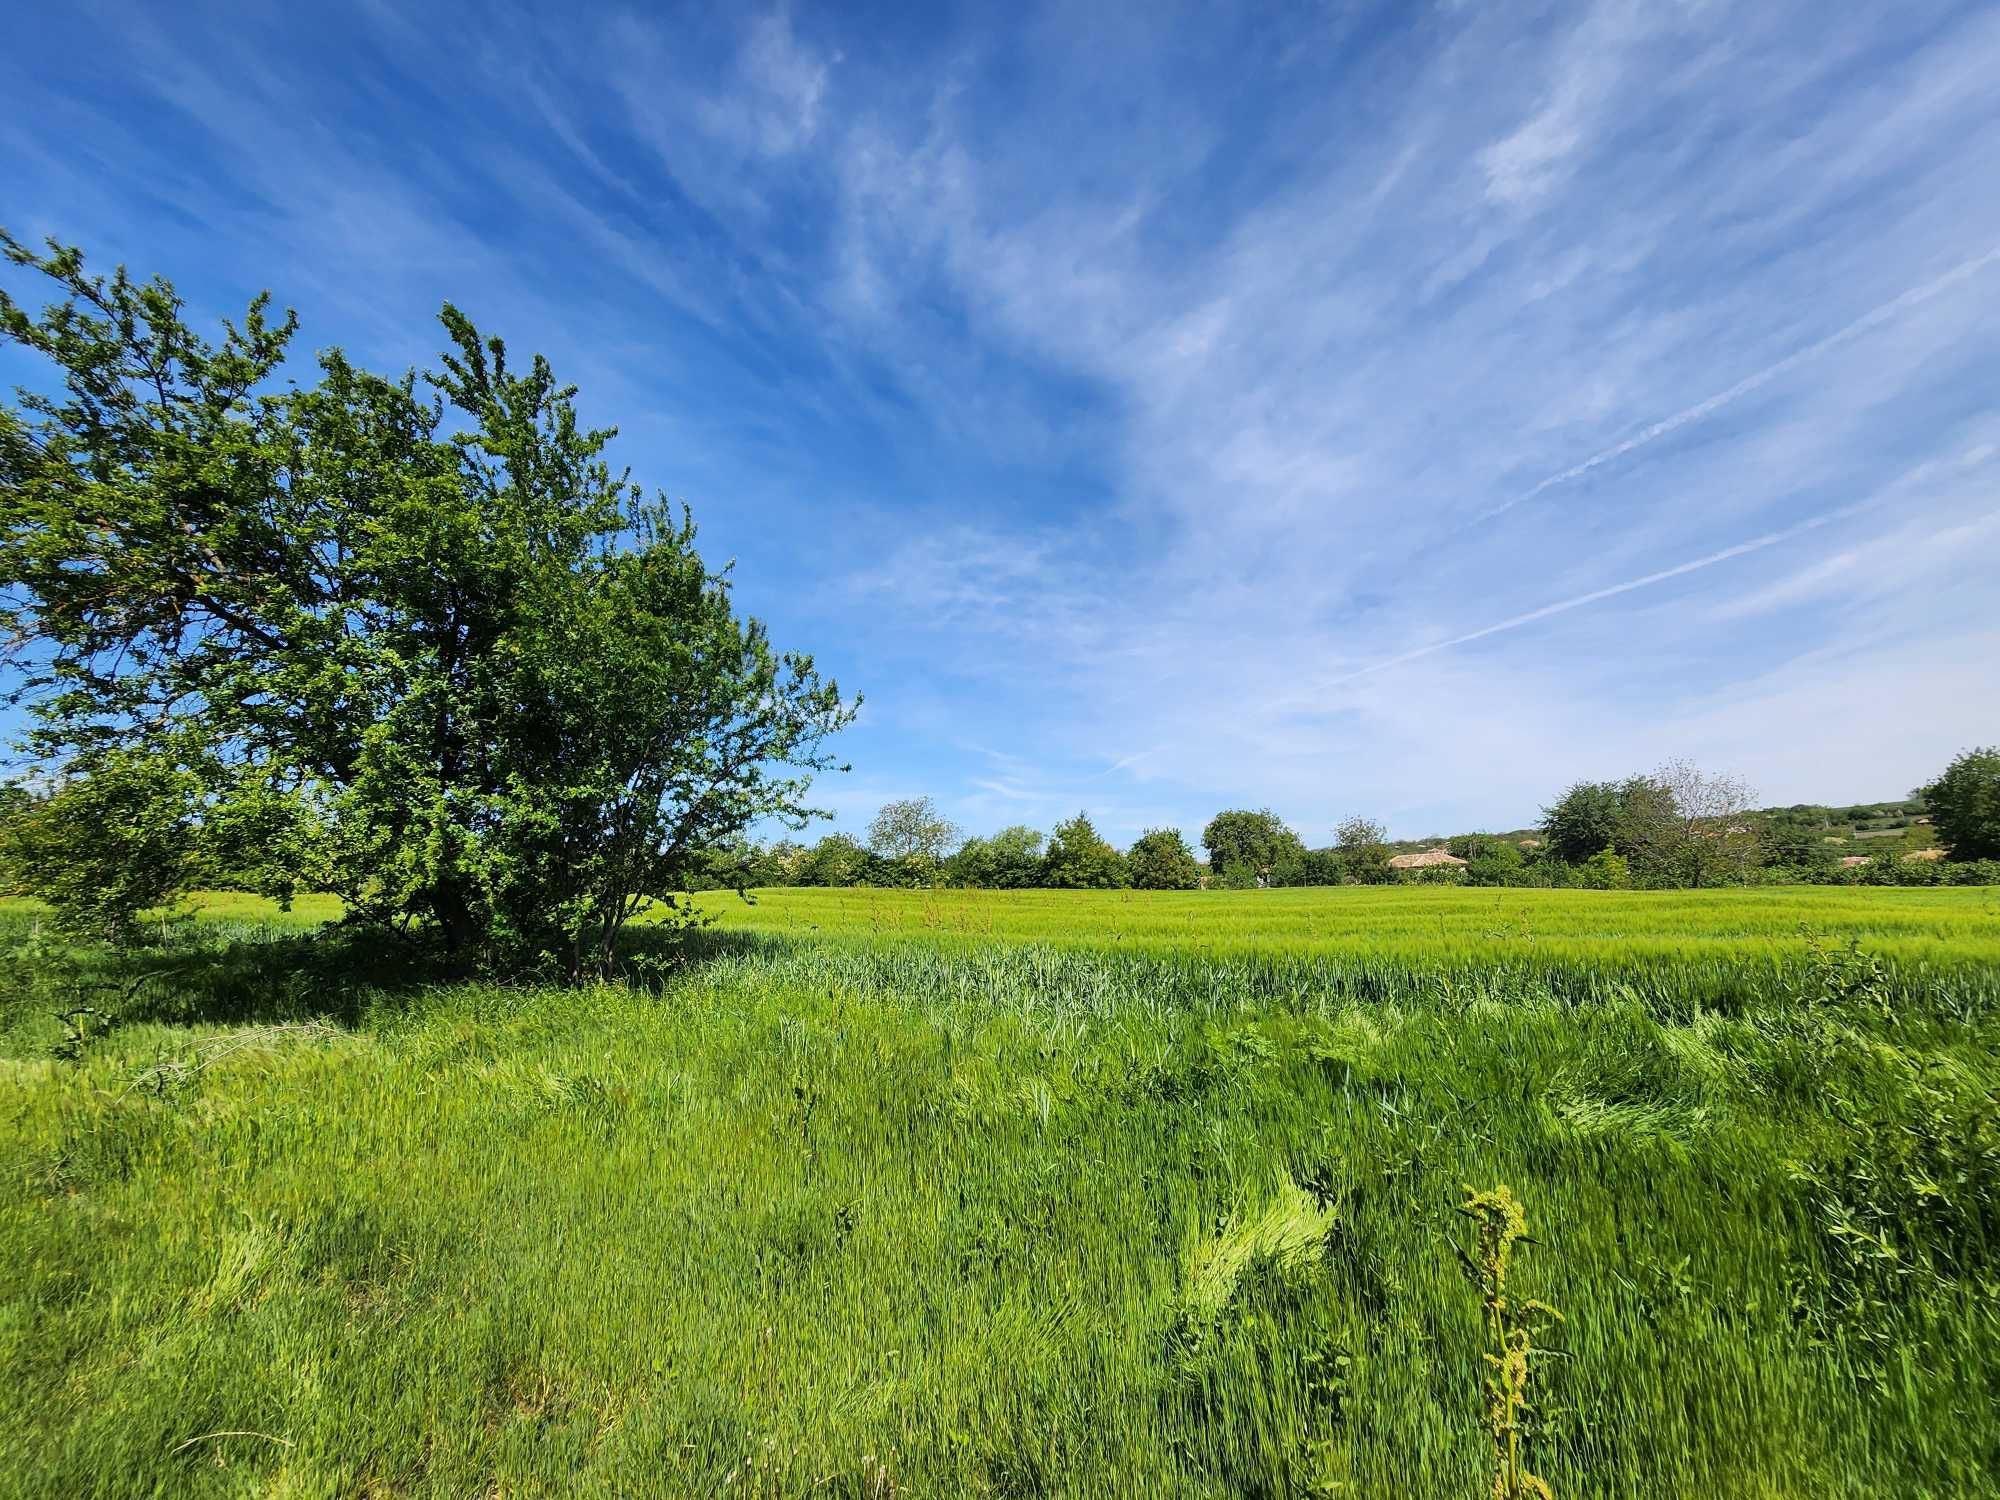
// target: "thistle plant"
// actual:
[[1510, 1328]]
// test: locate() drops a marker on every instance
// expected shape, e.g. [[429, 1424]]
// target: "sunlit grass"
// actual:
[[1432, 923], [852, 1213]]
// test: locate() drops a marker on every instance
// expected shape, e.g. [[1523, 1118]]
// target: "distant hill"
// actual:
[[1860, 829]]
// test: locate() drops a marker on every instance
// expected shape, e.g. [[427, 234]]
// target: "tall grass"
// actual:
[[839, 1214]]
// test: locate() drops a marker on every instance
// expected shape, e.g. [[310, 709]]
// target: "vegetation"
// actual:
[[415, 643], [1072, 1205], [1253, 847], [1965, 805], [1162, 861], [1080, 859]]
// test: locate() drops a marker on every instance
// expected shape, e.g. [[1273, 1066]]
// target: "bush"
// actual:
[[1606, 870]]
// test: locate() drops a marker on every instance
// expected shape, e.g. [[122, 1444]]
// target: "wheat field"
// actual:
[[914, 1194]]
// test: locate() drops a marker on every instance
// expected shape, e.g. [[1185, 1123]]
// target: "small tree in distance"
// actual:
[[1259, 841], [914, 834], [1683, 826], [1080, 859], [1582, 821], [1162, 861], [1364, 850]]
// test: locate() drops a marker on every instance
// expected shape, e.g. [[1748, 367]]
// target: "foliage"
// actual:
[[915, 835], [1964, 803], [425, 628], [1582, 821], [1162, 861], [1364, 851], [1259, 840], [1489, 860], [1606, 870], [105, 846], [837, 859], [1681, 826], [1010, 860], [1078, 858]]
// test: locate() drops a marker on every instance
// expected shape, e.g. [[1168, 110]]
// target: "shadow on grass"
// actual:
[[201, 974]]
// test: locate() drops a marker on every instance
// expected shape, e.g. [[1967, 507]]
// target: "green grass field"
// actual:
[[1429, 924], [1038, 1194]]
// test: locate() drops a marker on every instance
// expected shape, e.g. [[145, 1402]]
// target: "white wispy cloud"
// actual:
[[1180, 430]]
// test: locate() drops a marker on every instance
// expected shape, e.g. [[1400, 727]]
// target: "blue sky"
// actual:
[[1401, 409]]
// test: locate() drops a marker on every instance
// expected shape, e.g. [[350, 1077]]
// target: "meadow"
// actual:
[[1039, 1193]]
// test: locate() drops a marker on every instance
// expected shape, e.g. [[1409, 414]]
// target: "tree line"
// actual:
[[1675, 827]]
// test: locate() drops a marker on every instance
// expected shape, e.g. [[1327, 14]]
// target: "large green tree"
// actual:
[[1964, 804], [410, 640]]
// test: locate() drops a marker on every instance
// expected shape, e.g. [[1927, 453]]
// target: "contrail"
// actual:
[[1873, 318], [1755, 544]]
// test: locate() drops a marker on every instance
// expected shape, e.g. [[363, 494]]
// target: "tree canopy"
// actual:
[[1079, 858], [1258, 841], [409, 639], [1582, 821], [913, 832], [1364, 850], [1964, 804], [1162, 861]]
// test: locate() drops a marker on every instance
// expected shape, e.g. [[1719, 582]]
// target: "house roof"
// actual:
[[1424, 860]]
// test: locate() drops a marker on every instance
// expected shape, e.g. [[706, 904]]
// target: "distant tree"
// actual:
[[1964, 805], [783, 859], [1320, 867], [912, 829], [1681, 826], [837, 859], [1162, 861], [1010, 860], [1364, 850], [1241, 876], [1258, 839], [1016, 853], [1078, 858], [914, 836], [742, 864], [1489, 861], [1581, 821], [17, 807]]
